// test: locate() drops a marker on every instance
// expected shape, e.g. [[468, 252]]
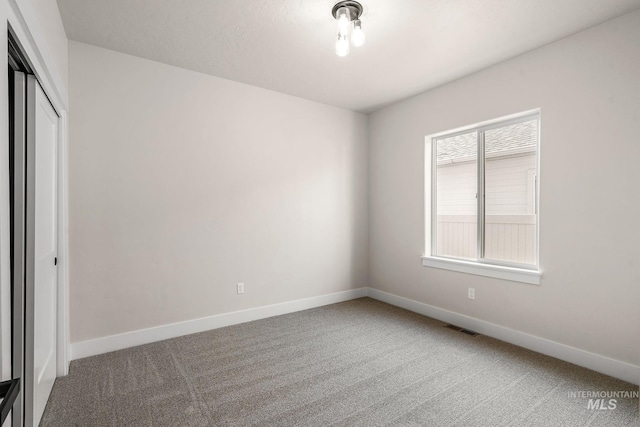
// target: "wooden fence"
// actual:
[[507, 237]]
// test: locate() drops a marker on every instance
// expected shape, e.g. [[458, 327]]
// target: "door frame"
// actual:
[[26, 29]]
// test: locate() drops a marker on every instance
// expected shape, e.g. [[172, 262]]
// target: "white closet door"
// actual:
[[41, 252]]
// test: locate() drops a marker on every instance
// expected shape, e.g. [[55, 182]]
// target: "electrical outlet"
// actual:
[[471, 293], [241, 288]]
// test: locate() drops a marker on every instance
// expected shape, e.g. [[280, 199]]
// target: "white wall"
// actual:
[[183, 184], [588, 88], [48, 16]]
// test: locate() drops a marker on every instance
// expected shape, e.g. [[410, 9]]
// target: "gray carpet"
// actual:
[[358, 363]]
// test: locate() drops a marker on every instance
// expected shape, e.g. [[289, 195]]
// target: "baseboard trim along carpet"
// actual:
[[109, 343], [605, 365]]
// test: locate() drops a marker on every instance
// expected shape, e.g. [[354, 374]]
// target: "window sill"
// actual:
[[499, 272]]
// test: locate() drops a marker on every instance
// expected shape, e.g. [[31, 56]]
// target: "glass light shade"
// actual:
[[344, 18], [357, 36]]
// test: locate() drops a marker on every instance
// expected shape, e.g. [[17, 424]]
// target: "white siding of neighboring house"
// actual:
[[508, 185], [510, 209], [456, 189]]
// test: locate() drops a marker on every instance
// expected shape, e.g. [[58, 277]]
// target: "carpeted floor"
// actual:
[[358, 363]]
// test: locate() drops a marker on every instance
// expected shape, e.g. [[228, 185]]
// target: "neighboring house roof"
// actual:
[[507, 140]]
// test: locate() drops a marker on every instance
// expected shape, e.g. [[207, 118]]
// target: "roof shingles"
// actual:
[[520, 136]]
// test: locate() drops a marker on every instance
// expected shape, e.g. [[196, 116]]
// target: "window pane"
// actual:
[[456, 206], [510, 193]]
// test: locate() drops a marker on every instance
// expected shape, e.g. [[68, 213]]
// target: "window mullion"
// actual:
[[480, 194], [434, 197]]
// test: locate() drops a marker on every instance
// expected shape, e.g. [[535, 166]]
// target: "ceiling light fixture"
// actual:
[[348, 13]]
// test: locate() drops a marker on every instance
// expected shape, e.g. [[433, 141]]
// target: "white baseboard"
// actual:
[[106, 344], [615, 368]]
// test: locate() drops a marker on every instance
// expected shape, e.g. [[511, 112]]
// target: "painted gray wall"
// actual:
[[183, 184], [588, 89], [55, 39]]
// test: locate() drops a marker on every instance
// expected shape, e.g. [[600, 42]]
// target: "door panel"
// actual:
[[41, 239]]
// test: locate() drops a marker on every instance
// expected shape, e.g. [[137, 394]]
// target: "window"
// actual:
[[482, 199]]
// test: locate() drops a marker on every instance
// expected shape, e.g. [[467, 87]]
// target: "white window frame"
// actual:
[[502, 270]]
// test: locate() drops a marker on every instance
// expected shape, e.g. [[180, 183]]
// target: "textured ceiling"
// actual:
[[287, 45]]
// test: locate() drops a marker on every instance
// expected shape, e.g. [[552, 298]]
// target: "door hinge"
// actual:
[[55, 261]]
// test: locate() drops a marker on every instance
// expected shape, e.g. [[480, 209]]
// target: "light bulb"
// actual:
[[357, 36], [342, 44], [344, 18]]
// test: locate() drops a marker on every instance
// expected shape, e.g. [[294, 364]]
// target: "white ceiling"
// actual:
[[288, 45]]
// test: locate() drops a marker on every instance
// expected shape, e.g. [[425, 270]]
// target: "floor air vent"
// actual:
[[464, 331]]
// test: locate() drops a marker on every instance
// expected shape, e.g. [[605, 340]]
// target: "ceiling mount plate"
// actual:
[[355, 9]]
